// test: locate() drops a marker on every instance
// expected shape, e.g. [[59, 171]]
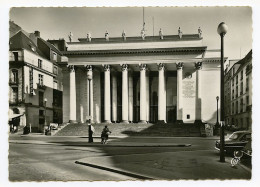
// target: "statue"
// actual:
[[143, 34], [180, 32], [70, 36], [124, 35], [161, 34], [89, 37], [107, 36], [200, 32]]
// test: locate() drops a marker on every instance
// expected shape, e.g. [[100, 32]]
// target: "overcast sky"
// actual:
[[54, 23]]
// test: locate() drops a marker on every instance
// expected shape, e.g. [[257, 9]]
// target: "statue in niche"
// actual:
[[106, 36], [180, 32], [200, 32], [161, 34], [89, 37], [70, 36], [124, 35]]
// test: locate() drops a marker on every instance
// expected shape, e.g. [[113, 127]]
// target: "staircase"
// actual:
[[134, 129]]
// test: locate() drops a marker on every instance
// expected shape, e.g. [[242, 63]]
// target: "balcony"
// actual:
[[41, 86]]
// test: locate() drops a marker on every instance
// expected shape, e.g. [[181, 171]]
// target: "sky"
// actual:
[[55, 23]]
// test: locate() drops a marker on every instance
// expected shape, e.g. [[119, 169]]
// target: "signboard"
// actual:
[[31, 80], [188, 89]]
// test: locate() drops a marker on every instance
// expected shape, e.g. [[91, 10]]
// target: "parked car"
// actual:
[[237, 141]]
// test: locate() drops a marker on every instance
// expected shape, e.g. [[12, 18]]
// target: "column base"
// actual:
[[161, 122], [179, 122], [197, 122], [124, 121], [143, 121], [73, 121], [107, 121]]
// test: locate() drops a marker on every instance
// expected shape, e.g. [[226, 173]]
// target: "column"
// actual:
[[147, 97], [179, 67], [72, 95], [198, 66], [107, 102], [89, 74], [125, 93], [142, 93], [114, 97], [130, 97], [161, 94]]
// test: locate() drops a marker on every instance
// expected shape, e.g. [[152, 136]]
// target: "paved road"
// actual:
[[53, 159]]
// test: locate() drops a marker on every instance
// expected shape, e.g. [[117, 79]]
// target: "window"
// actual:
[[236, 107], [55, 85], [233, 94], [247, 84], [40, 98], [39, 63], [237, 79], [41, 112], [233, 108], [188, 116], [241, 88], [241, 76], [14, 76], [55, 70], [14, 95], [54, 56], [241, 105], [236, 91], [247, 100], [40, 80], [15, 56]]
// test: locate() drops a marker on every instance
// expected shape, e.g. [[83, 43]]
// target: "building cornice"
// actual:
[[135, 51]]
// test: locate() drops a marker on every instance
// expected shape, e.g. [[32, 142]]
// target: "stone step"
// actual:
[[132, 129]]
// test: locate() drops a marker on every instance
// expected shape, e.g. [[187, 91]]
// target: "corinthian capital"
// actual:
[[161, 66], [179, 65], [143, 67], [124, 67], [88, 67], [71, 68], [106, 67], [198, 65]]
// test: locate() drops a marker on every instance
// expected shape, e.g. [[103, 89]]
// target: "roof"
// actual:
[[243, 61], [22, 41], [52, 47], [185, 37]]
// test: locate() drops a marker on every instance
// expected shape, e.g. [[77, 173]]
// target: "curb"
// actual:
[[116, 171]]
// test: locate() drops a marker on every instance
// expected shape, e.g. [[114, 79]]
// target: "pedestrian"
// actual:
[[91, 130], [104, 135]]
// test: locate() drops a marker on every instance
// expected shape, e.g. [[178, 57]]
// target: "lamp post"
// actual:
[[89, 77], [222, 30], [45, 122]]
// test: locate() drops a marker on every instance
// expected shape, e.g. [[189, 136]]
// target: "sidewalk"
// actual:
[[169, 166]]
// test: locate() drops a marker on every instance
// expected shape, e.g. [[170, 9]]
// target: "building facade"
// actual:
[[35, 84], [158, 79], [238, 93]]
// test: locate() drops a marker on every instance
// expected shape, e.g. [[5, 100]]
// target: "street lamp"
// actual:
[[222, 30], [45, 122], [89, 77]]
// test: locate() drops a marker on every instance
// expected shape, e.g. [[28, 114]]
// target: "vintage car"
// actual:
[[237, 141]]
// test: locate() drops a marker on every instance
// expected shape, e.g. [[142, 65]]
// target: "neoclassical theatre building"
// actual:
[[156, 79]]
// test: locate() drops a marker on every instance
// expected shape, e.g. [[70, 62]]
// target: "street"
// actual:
[[46, 158]]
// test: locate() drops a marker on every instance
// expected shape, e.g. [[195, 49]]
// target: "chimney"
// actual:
[[37, 33]]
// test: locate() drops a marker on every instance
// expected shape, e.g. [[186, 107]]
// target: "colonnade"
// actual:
[[127, 93]]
